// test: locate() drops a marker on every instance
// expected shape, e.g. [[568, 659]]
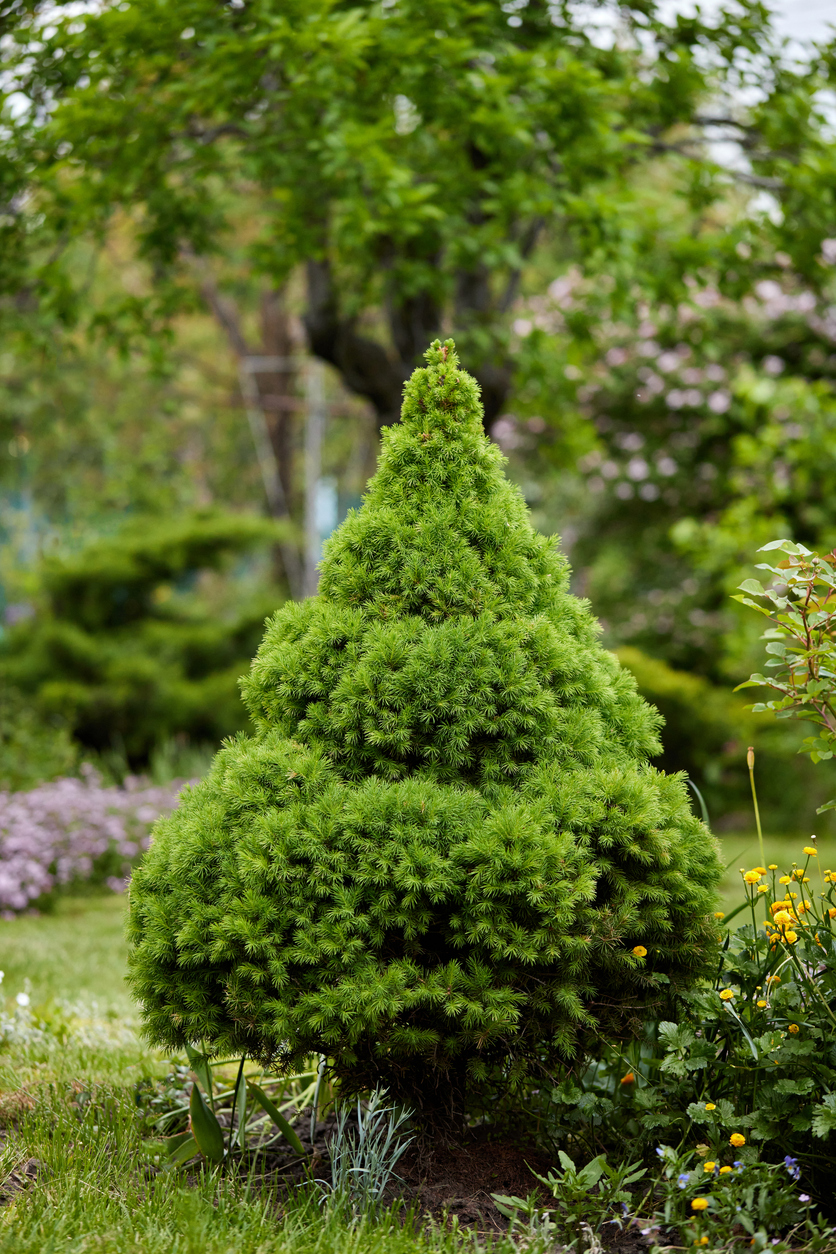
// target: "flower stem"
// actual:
[[750, 762]]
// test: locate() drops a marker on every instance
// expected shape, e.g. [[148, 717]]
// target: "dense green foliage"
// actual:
[[750, 1053], [92, 1117], [443, 843], [383, 169], [411, 156], [32, 747], [124, 658]]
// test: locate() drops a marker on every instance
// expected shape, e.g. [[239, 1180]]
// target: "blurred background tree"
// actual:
[[625, 216]]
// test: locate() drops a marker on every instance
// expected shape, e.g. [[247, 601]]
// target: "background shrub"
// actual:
[[123, 649], [706, 733]]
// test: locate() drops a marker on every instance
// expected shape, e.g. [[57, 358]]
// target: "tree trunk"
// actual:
[[368, 369], [282, 341]]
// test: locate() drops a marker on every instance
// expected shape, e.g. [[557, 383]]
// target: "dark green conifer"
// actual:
[[438, 852]]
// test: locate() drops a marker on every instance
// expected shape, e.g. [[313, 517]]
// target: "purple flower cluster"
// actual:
[[61, 831]]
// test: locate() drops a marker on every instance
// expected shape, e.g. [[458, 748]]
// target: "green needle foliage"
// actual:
[[434, 857]]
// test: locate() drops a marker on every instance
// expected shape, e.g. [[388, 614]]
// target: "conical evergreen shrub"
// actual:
[[442, 852]]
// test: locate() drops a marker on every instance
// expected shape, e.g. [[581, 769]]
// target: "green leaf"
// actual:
[[515, 1207], [824, 1116], [752, 586], [755, 681], [205, 1127], [762, 609], [592, 1172], [239, 1108], [201, 1066], [786, 546], [173, 1143], [187, 1149], [743, 1029], [277, 1117]]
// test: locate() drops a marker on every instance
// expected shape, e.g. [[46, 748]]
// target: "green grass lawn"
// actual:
[[76, 951]]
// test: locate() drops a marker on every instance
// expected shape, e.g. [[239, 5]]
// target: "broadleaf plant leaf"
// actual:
[[276, 1115], [205, 1128]]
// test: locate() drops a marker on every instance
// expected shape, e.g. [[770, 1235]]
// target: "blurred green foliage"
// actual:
[[126, 646], [691, 433], [33, 746], [408, 157], [706, 734]]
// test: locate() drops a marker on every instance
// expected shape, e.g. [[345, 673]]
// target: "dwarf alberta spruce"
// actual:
[[433, 858]]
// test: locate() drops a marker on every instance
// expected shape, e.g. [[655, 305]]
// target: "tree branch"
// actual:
[[753, 180], [364, 364]]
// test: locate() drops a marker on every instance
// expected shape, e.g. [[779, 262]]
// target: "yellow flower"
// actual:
[[791, 937], [640, 951], [762, 1004], [763, 888], [773, 979], [629, 1078], [710, 1106], [785, 879], [708, 1166], [719, 914], [701, 1241], [810, 851], [783, 918], [806, 879], [752, 877], [761, 870], [699, 1203], [794, 896], [724, 1171], [832, 912], [737, 1139], [773, 866], [794, 1028], [726, 994]]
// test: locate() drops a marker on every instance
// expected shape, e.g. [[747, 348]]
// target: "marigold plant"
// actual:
[[442, 853]]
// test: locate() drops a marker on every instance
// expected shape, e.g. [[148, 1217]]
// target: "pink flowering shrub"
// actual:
[[73, 830]]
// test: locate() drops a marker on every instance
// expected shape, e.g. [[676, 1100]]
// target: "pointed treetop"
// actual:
[[441, 397], [441, 530]]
